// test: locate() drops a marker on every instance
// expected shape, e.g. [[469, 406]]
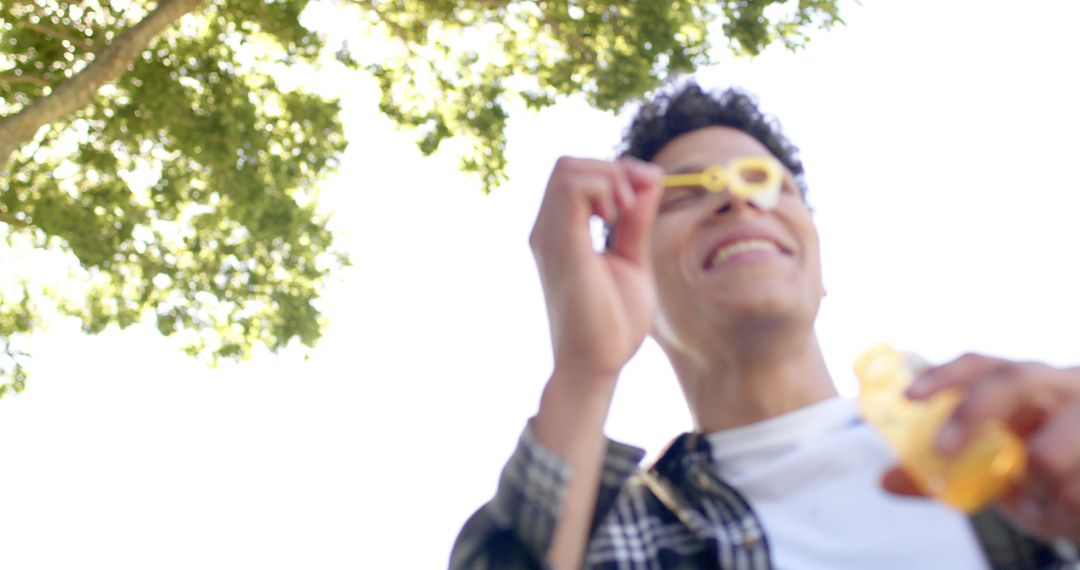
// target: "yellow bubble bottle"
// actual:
[[980, 473]]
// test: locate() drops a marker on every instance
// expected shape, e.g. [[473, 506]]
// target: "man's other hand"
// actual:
[[1041, 404]]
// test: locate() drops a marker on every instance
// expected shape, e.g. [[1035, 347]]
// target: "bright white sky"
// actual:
[[940, 140]]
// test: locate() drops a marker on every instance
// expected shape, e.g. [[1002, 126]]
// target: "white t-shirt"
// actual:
[[813, 478]]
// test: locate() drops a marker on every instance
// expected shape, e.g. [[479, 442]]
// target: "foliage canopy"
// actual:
[[159, 148]]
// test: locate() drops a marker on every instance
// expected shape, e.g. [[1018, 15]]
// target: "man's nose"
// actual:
[[731, 203]]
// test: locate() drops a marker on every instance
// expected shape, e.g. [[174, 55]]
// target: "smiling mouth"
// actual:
[[742, 246]]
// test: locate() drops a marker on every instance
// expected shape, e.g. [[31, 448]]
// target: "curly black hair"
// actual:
[[688, 107]]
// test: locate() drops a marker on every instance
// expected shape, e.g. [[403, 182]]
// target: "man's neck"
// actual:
[[731, 386]]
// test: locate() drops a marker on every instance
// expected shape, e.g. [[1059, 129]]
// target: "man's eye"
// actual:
[[675, 197]]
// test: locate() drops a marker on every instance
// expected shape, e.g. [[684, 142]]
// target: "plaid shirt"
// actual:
[[678, 514]]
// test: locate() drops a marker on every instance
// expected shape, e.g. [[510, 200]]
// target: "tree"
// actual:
[[162, 152]]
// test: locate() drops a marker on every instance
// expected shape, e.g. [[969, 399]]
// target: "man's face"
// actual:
[[722, 262]]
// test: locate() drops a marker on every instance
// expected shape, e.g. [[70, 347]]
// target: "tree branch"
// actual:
[[57, 34], [76, 91], [13, 79], [394, 27]]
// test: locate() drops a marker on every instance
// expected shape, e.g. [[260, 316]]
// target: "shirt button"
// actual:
[[704, 482], [751, 541]]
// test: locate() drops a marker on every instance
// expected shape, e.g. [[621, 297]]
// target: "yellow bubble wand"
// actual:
[[757, 179]]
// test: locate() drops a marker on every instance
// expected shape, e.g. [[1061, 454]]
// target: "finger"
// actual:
[[1020, 395], [585, 186], [642, 174], [635, 224], [1055, 447], [993, 395], [957, 373], [578, 189], [624, 190], [897, 481], [602, 200]]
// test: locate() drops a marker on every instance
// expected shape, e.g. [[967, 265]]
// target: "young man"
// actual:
[[779, 472]]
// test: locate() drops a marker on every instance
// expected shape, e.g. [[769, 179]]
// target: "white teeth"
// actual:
[[741, 247]]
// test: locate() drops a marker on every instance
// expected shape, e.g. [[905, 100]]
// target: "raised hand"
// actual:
[[600, 304], [600, 307]]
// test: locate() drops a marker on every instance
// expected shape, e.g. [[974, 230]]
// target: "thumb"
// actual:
[[898, 482], [632, 229]]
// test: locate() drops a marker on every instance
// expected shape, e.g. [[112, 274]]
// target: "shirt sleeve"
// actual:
[[1008, 548], [515, 529]]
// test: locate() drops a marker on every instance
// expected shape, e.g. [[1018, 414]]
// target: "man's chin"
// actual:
[[761, 310]]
